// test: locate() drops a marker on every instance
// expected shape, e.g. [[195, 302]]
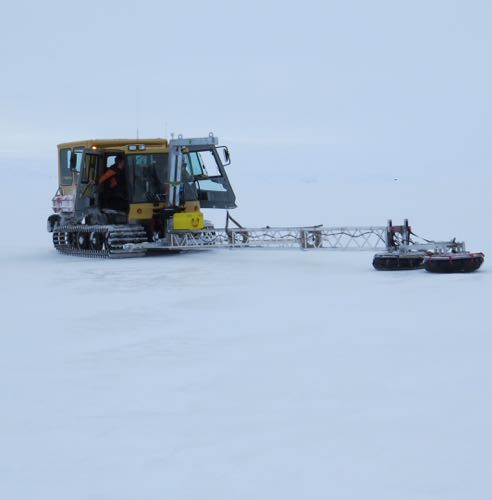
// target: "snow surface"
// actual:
[[247, 374]]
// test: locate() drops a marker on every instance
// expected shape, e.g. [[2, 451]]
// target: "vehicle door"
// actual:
[[91, 169]]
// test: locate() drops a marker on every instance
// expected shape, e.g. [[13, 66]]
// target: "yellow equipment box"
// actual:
[[188, 221]]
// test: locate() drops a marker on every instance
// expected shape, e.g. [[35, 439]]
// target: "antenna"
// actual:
[[137, 108]]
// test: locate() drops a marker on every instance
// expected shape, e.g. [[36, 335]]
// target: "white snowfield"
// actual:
[[239, 374]]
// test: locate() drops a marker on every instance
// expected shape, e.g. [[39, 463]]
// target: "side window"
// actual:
[[209, 164], [148, 174], [110, 161], [77, 163], [212, 185], [195, 166], [203, 164], [65, 171]]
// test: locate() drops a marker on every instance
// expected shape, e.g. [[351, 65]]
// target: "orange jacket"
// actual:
[[109, 175]]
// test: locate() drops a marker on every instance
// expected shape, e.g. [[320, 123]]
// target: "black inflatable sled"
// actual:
[[398, 262], [465, 262]]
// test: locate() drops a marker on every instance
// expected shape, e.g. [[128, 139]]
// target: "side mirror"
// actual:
[[225, 155]]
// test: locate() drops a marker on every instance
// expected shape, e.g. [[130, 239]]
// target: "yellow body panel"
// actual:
[[188, 221], [144, 211]]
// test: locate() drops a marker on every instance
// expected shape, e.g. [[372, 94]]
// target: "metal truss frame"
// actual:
[[331, 238]]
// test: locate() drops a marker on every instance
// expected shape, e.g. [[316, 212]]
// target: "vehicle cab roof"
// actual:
[[113, 143]]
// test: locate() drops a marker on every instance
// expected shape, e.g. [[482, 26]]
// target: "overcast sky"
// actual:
[[370, 80]]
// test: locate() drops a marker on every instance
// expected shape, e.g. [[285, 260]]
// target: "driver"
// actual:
[[113, 186]]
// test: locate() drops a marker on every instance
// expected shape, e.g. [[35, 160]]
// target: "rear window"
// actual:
[[65, 172], [68, 164]]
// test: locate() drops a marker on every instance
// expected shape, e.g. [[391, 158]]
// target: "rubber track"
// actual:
[[112, 237]]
